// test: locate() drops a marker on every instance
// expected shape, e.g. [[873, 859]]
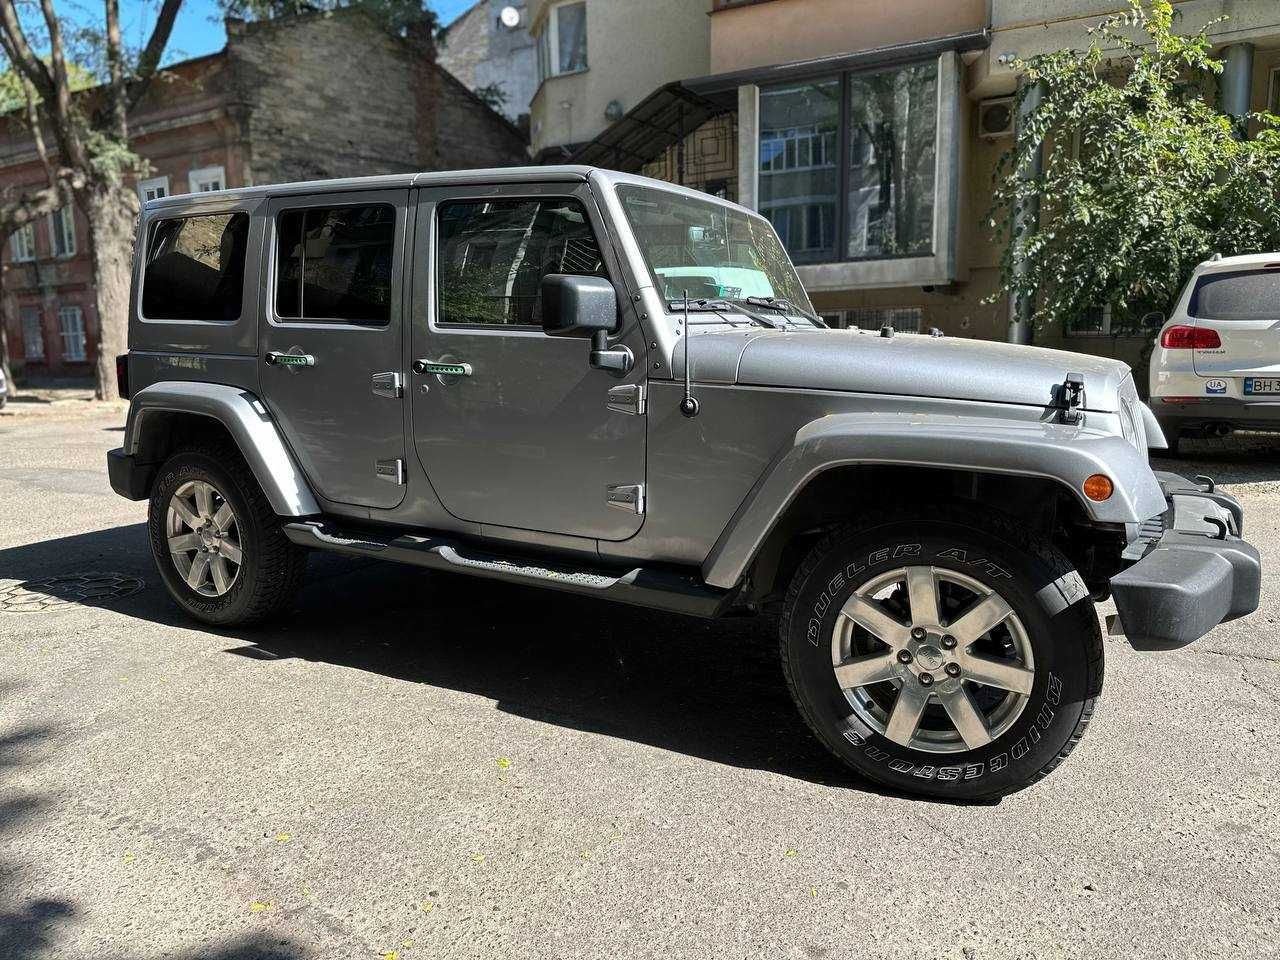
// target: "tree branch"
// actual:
[[26, 207], [149, 60], [115, 71], [19, 51]]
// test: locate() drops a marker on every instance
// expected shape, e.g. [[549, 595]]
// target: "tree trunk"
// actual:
[[112, 211]]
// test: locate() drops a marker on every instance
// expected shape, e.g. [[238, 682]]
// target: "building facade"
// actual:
[[490, 50], [284, 101], [869, 134], [634, 48]]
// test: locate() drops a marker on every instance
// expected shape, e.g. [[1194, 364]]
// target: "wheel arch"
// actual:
[[888, 459], [169, 415]]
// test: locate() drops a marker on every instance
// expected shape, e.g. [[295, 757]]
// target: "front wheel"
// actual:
[[952, 658]]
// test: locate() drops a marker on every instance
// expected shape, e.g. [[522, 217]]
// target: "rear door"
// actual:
[[330, 351], [1243, 308]]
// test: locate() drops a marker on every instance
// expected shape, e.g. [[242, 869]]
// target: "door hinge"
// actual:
[[389, 385], [391, 471], [626, 496], [627, 398]]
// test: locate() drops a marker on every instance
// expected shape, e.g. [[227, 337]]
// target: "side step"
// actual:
[[643, 587]]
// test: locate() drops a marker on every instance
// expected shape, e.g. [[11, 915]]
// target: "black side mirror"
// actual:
[[1152, 321], [578, 306], [575, 306]]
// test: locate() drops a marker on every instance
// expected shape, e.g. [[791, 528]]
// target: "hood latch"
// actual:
[[1071, 398]]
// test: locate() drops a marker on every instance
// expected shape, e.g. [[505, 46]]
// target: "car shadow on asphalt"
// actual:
[[708, 689]]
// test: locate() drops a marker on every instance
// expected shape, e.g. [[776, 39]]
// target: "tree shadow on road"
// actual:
[[710, 689]]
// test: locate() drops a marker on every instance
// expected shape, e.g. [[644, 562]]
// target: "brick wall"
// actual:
[[335, 95]]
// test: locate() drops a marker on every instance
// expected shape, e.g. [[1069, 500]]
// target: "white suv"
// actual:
[[1216, 365]]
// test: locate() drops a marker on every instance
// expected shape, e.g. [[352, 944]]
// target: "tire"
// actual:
[[1046, 654], [270, 568]]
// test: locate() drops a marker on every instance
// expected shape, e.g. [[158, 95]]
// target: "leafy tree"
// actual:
[[396, 15], [1144, 176], [90, 160]]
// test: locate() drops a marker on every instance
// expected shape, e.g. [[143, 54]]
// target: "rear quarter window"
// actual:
[[1242, 295], [195, 268]]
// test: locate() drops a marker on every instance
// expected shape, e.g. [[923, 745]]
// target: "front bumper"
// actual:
[[1192, 570]]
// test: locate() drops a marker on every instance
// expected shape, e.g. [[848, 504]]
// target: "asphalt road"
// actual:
[[421, 765]]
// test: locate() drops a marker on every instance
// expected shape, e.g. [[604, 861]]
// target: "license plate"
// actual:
[[1257, 386]]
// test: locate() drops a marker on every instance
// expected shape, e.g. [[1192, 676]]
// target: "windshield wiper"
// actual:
[[784, 305], [720, 306]]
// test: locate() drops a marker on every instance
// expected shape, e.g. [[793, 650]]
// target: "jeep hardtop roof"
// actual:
[[438, 178]]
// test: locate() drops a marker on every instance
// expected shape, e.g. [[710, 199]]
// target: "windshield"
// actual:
[[708, 249]]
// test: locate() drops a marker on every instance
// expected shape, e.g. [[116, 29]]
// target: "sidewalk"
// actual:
[[59, 402]]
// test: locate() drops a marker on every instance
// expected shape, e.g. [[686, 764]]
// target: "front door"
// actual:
[[331, 344], [520, 432]]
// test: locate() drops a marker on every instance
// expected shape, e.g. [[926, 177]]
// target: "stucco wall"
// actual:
[[480, 52], [760, 34], [633, 48]]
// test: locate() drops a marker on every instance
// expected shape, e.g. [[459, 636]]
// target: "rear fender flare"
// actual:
[[251, 426], [1063, 453]]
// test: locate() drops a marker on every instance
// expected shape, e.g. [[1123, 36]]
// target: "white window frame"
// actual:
[[67, 215], [160, 183], [74, 347], [201, 179], [32, 333], [549, 42], [22, 245]]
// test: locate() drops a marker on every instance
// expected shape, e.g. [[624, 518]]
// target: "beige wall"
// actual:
[[761, 34], [633, 47]]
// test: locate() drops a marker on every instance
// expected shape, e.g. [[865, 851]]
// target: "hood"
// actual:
[[860, 361]]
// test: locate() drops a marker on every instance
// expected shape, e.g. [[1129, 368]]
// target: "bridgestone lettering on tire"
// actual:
[[923, 653], [217, 544]]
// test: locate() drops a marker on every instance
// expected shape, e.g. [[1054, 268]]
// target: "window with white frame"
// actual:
[[153, 189], [62, 232], [207, 179], [71, 325], [32, 334], [23, 245], [562, 42]]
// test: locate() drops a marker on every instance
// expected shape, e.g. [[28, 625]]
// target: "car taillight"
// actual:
[[1190, 338], [122, 375]]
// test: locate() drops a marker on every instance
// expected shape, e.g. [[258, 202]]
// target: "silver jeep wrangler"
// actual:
[[616, 387]]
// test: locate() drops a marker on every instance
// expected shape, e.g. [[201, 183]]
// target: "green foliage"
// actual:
[[493, 95], [12, 97], [396, 15], [1143, 177]]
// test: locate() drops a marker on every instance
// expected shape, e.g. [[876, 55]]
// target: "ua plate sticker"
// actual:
[[1215, 386]]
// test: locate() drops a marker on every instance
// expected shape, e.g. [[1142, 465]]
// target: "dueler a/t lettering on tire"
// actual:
[[950, 657], [216, 542]]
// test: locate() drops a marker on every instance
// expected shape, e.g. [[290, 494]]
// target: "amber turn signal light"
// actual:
[[1098, 487]]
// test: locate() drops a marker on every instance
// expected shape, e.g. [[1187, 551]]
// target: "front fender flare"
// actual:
[[250, 425], [1064, 453]]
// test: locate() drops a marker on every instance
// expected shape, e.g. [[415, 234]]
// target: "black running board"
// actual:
[[644, 587]]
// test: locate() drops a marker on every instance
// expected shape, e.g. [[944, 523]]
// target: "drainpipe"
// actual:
[[1026, 217], [1237, 79]]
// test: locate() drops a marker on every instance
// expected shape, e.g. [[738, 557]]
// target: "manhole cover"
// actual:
[[33, 596]]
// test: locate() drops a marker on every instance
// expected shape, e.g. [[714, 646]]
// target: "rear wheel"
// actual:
[[216, 542], [940, 658]]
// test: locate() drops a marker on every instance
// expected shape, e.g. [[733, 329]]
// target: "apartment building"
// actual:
[[869, 134], [598, 59], [284, 101]]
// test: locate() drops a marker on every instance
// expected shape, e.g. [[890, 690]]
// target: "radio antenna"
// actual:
[[688, 403]]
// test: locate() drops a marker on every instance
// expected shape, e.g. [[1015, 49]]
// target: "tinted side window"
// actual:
[[1246, 295], [334, 263], [195, 268], [494, 254]]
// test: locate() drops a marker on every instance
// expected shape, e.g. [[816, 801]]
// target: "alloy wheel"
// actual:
[[204, 538], [932, 659]]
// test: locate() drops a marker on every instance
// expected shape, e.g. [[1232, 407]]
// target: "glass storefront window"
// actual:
[[877, 203], [893, 122], [800, 165]]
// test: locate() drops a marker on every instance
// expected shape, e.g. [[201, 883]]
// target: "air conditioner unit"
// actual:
[[995, 118]]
